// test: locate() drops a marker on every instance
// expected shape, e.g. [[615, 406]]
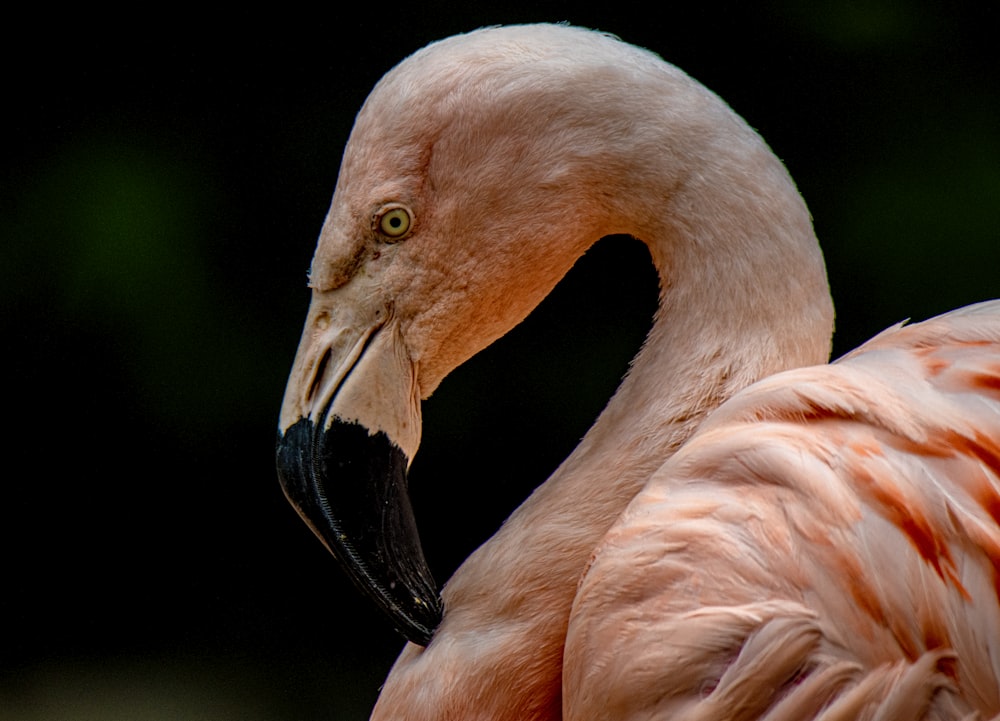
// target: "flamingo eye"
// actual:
[[393, 221]]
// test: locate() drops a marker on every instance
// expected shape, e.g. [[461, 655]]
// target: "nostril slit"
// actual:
[[318, 376]]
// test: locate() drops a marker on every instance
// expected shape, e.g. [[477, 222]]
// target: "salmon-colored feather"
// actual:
[[859, 499]]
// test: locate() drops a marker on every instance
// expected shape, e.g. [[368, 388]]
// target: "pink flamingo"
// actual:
[[745, 532]]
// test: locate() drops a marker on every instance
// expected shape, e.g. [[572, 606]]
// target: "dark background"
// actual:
[[165, 180]]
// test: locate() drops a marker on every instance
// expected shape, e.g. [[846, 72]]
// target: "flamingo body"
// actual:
[[827, 542], [744, 533]]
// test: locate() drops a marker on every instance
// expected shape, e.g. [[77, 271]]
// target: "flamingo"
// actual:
[[745, 532]]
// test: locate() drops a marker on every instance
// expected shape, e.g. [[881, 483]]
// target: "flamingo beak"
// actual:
[[350, 424]]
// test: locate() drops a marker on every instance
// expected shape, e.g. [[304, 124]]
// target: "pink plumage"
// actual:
[[848, 513], [744, 533]]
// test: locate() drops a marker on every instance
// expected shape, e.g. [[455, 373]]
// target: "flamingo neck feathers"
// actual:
[[743, 295]]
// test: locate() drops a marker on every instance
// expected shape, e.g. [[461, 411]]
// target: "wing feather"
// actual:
[[860, 500]]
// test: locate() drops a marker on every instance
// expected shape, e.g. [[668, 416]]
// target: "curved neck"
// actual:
[[743, 295]]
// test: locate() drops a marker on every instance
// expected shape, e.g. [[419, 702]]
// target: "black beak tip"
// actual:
[[418, 626], [349, 485]]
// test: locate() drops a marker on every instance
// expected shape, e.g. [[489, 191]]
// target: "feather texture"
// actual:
[[858, 503]]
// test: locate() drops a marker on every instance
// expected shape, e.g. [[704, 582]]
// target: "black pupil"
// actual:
[[396, 221]]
